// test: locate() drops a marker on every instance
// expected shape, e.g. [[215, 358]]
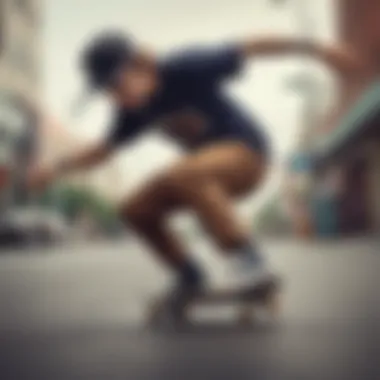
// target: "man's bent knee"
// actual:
[[137, 215], [179, 183]]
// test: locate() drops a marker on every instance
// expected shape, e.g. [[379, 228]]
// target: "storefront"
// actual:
[[296, 194], [347, 150], [353, 151]]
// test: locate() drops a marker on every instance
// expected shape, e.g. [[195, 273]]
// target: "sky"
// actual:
[[166, 24]]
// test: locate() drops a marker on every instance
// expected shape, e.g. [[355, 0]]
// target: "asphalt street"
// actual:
[[78, 312]]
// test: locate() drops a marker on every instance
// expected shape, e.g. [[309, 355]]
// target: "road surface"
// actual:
[[78, 313]]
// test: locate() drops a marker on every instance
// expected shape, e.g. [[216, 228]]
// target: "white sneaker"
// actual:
[[246, 274]]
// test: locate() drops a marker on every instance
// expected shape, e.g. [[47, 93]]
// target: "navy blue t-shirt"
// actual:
[[193, 79]]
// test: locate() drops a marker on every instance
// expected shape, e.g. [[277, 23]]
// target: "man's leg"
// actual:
[[147, 213], [209, 181], [206, 182]]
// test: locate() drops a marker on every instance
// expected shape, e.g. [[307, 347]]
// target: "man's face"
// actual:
[[135, 85]]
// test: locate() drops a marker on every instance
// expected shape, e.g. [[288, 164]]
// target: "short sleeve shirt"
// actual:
[[194, 78]]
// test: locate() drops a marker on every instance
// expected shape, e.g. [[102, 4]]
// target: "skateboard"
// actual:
[[264, 297]]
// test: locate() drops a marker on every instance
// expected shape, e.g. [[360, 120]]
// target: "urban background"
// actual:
[[330, 183], [30, 134], [332, 186], [74, 283]]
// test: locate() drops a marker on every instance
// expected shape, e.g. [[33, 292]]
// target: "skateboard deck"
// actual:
[[263, 297]]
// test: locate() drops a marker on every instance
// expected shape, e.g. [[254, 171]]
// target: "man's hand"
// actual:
[[40, 178], [344, 59], [339, 57]]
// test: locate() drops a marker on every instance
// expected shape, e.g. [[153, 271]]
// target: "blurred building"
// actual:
[[348, 149], [20, 58]]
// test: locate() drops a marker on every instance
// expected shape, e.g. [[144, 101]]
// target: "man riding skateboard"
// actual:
[[227, 152]]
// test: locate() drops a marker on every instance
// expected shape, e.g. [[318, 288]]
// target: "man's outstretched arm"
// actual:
[[87, 159], [341, 58]]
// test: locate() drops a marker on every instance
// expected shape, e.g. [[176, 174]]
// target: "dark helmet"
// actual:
[[103, 57]]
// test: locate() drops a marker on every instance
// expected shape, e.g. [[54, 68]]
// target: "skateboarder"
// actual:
[[227, 151]]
